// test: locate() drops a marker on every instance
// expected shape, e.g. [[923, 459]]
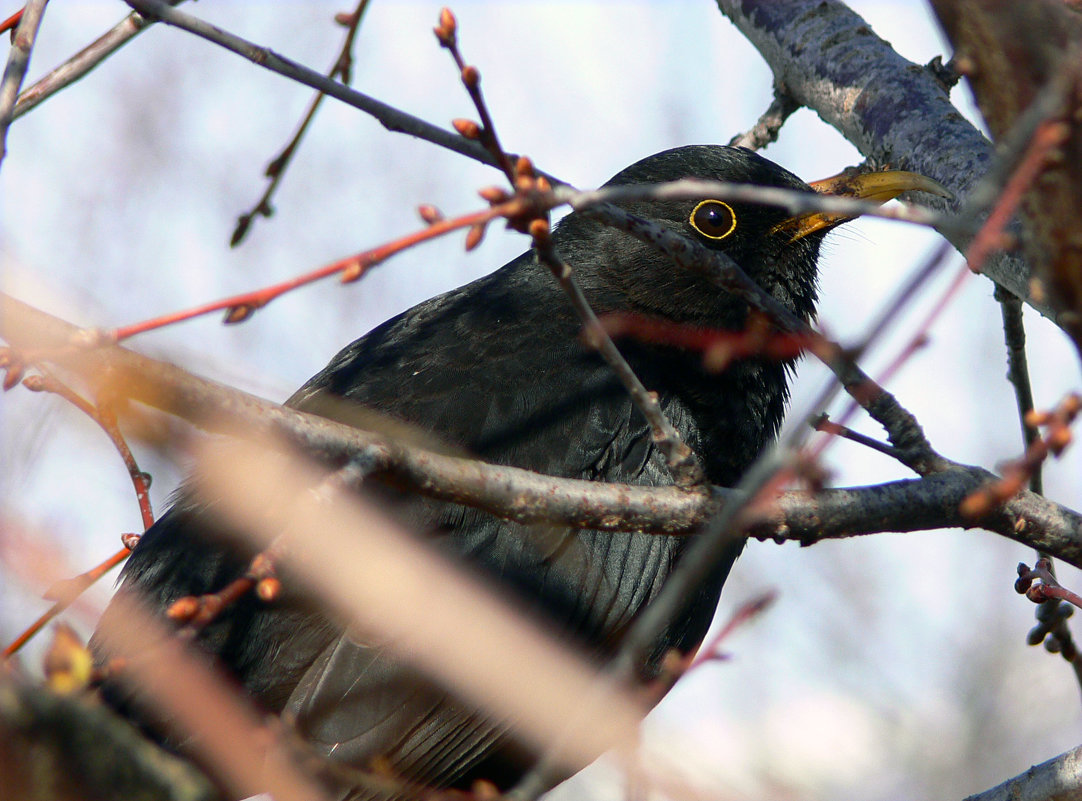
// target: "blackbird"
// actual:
[[496, 368]]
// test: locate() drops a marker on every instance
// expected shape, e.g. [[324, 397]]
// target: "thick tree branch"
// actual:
[[895, 112], [524, 496]]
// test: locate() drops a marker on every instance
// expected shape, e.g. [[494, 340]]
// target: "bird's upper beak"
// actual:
[[876, 187]]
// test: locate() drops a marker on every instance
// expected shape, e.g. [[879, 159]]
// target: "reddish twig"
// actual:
[[675, 665], [485, 133], [1040, 585], [991, 236], [1048, 136], [106, 420], [64, 592], [239, 308], [11, 22], [342, 67], [198, 611], [988, 238], [1016, 474], [744, 615]]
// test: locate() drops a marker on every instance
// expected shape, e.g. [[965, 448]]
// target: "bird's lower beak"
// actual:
[[876, 187]]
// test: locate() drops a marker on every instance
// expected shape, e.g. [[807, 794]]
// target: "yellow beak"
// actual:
[[876, 187]]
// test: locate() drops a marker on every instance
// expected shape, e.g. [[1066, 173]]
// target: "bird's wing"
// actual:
[[496, 370], [493, 369]]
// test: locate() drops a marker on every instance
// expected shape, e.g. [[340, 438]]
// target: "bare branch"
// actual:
[[277, 168], [895, 112], [768, 127], [391, 118], [82, 62], [524, 496], [18, 61], [682, 462], [1058, 779]]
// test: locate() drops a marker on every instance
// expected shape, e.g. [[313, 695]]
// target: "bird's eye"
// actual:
[[713, 219]]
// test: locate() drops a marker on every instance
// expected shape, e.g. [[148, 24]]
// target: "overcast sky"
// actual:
[[895, 665]]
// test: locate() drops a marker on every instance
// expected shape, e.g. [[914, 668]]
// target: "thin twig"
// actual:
[[825, 424], [682, 462], [1051, 628], [11, 22], [904, 432], [106, 420], [769, 125], [1016, 474], [197, 612], [792, 201], [65, 595], [18, 61], [239, 308], [391, 118], [277, 168], [1027, 165], [83, 62], [447, 34]]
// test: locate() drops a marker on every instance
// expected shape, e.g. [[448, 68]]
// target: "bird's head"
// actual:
[[778, 251]]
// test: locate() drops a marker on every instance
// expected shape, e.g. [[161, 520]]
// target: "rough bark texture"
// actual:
[[895, 112], [1058, 779]]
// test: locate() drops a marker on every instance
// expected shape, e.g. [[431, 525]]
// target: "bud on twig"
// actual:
[[430, 214], [445, 31], [494, 194], [475, 235], [467, 128]]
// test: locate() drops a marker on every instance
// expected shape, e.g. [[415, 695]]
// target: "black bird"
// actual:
[[496, 368]]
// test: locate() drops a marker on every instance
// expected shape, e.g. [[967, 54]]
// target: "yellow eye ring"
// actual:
[[714, 219]]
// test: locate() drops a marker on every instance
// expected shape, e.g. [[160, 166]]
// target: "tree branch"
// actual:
[[1058, 779], [527, 497], [895, 112], [389, 117]]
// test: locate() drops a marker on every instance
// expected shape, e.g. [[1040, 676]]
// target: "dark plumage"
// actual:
[[496, 368]]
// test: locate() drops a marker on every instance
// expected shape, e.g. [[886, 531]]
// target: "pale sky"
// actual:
[[884, 664]]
